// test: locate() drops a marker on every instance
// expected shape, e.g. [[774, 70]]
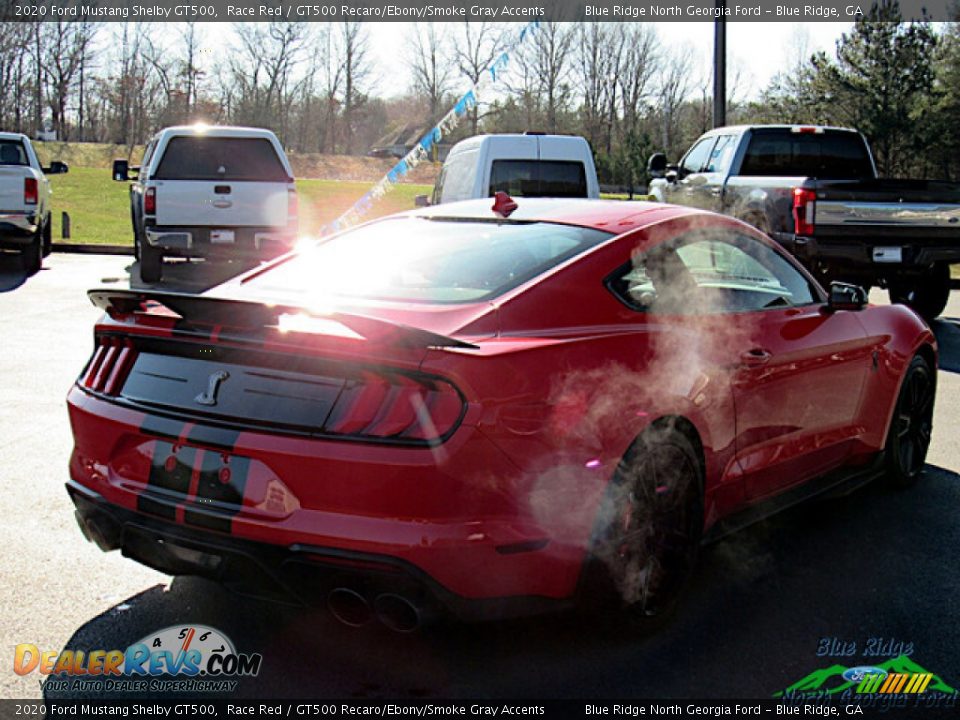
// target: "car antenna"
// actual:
[[503, 204]]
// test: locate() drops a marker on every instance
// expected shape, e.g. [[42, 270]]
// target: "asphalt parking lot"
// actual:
[[877, 564]]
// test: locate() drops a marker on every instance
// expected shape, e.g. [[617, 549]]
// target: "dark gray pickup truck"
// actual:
[[815, 190]]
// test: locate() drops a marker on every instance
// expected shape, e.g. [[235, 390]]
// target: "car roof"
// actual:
[[12, 136], [614, 216], [739, 129]]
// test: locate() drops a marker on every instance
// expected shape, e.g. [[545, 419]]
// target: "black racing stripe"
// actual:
[[162, 427], [211, 493], [212, 436], [169, 483]]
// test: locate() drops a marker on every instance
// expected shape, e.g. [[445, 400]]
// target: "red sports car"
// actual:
[[488, 413]]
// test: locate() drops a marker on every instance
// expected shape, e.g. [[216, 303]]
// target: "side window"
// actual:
[[458, 174], [697, 157], [147, 156], [721, 155], [711, 271]]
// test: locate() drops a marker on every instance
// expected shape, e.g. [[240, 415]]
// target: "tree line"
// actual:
[[318, 87]]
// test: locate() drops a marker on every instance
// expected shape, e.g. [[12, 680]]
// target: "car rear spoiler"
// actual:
[[205, 310]]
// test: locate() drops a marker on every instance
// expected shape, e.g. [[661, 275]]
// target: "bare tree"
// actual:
[[476, 47], [674, 86], [430, 64], [354, 45], [547, 59]]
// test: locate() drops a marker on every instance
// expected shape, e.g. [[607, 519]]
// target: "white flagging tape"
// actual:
[[421, 150]]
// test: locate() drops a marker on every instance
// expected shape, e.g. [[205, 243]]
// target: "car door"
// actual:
[[799, 370], [688, 188], [715, 172]]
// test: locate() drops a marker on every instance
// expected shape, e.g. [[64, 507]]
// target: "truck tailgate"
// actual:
[[201, 203], [892, 203], [11, 188]]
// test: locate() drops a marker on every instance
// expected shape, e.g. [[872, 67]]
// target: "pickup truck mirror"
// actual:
[[422, 201], [56, 168], [657, 165], [844, 296], [121, 170]]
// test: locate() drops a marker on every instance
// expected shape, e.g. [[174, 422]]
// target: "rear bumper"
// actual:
[[247, 241], [844, 251], [17, 229], [456, 529], [300, 574]]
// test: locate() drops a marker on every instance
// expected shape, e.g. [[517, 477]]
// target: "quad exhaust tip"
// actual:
[[349, 607], [397, 613]]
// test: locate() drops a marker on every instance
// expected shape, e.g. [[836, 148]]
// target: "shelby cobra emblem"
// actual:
[[209, 396]]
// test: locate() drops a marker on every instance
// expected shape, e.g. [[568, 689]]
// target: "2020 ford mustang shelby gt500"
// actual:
[[487, 411]]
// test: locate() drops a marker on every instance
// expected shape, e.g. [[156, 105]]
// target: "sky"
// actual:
[[756, 50]]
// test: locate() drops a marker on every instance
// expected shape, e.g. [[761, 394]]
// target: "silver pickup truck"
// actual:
[[815, 190], [25, 200]]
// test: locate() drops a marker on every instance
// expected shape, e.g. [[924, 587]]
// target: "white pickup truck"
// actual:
[[25, 200], [211, 192], [528, 165]]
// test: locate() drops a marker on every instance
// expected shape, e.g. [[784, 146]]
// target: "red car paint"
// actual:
[[563, 376]]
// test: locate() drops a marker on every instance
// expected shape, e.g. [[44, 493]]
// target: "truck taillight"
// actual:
[[396, 407], [804, 202], [150, 202], [30, 191]]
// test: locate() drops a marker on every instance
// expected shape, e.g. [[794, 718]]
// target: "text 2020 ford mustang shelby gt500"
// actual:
[[487, 412]]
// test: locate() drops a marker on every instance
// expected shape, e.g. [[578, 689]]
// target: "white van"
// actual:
[[528, 165]]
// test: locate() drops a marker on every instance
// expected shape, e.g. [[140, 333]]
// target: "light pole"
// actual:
[[720, 65]]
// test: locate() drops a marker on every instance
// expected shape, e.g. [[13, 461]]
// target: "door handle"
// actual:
[[221, 203], [755, 357], [716, 191]]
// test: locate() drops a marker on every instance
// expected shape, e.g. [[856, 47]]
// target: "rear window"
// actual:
[[220, 158], [12, 153], [834, 155], [425, 260], [539, 178]]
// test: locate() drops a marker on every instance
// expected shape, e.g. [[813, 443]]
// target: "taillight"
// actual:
[[29, 191], [396, 407], [150, 201], [804, 202], [109, 366]]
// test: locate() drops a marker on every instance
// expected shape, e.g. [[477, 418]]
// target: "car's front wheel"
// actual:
[[651, 523], [909, 436]]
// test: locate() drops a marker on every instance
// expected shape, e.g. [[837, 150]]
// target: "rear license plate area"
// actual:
[[222, 237], [892, 254]]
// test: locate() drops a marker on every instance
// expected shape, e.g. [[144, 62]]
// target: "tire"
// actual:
[[151, 264], [927, 295], [47, 237], [909, 436], [650, 527], [33, 254]]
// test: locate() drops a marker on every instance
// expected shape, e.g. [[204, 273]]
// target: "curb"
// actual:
[[93, 249]]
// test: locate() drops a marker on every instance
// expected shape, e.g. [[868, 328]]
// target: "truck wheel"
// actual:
[[47, 237], [926, 295], [151, 263], [33, 254]]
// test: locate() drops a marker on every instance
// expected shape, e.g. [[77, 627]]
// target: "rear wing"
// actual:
[[246, 314]]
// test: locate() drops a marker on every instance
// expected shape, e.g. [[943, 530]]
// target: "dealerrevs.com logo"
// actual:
[[181, 657]]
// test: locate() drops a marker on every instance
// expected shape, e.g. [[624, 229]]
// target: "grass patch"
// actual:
[[99, 207]]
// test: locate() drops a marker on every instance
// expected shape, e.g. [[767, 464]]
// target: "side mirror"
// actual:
[[422, 201], [844, 296], [657, 165], [121, 170], [56, 168]]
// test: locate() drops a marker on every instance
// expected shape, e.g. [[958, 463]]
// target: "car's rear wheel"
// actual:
[[151, 263], [928, 295], [909, 436], [651, 523], [33, 254]]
